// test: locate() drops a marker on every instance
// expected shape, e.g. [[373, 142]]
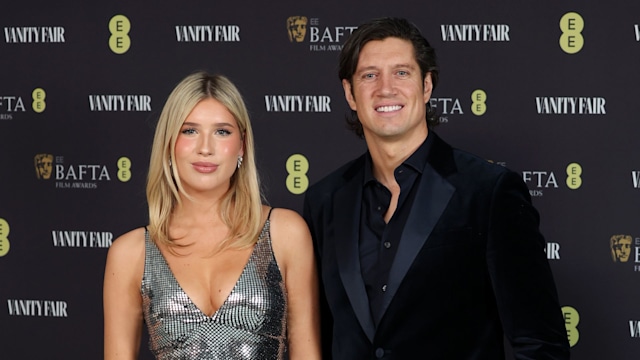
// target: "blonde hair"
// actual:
[[241, 206]]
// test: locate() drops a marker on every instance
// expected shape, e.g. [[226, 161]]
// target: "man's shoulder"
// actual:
[[468, 161], [338, 177]]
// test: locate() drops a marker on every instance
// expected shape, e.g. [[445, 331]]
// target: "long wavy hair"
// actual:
[[241, 206]]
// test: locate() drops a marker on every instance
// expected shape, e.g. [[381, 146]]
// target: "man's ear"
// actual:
[[428, 87], [348, 94]]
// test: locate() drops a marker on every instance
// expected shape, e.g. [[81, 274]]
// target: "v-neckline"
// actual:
[[244, 269]]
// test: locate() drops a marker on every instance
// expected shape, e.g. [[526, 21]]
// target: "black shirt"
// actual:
[[379, 240]]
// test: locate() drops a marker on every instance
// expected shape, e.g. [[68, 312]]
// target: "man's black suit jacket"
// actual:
[[470, 267]]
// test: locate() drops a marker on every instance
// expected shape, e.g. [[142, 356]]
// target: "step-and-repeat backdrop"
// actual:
[[549, 89]]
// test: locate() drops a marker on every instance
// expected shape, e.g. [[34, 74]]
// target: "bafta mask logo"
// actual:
[[297, 28], [44, 165], [620, 248]]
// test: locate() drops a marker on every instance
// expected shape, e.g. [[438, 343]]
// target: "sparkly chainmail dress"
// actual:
[[250, 324]]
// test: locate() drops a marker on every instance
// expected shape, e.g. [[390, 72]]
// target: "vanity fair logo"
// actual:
[[625, 248], [634, 328], [34, 34], [475, 32], [570, 105], [635, 178], [37, 308], [119, 103], [81, 239], [298, 103], [207, 33], [320, 38], [552, 249], [78, 176], [539, 181]]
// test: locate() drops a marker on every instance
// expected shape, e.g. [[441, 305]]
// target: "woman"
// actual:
[[208, 274]]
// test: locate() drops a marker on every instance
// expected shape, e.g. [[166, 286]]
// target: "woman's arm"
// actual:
[[121, 296], [293, 249]]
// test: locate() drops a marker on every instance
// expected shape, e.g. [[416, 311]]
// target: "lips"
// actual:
[[204, 167], [388, 108]]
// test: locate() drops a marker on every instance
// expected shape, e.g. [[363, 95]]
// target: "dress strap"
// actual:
[[269, 215]]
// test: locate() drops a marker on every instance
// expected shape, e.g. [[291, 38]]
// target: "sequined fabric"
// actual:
[[250, 324]]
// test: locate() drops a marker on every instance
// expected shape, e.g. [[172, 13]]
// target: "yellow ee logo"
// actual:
[[38, 95], [4, 237], [571, 320], [124, 169], [119, 41], [574, 181], [571, 40], [478, 98], [297, 168]]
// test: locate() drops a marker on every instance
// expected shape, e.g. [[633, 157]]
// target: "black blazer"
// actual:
[[470, 267]]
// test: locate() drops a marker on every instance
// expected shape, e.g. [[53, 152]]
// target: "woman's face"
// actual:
[[207, 148]]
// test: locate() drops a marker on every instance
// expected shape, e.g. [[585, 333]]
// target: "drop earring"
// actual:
[[239, 161]]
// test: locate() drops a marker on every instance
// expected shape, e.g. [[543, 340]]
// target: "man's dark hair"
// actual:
[[380, 29]]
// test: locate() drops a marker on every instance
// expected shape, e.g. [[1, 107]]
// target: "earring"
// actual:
[[169, 162], [239, 161]]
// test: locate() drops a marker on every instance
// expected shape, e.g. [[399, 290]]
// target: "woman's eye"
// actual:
[[223, 132], [188, 131]]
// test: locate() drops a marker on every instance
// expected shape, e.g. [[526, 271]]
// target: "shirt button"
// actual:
[[387, 244], [384, 287], [379, 353]]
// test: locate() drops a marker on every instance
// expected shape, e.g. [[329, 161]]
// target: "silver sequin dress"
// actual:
[[250, 324]]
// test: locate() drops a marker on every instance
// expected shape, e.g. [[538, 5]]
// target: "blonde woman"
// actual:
[[216, 274]]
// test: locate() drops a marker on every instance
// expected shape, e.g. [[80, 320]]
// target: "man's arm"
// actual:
[[522, 280]]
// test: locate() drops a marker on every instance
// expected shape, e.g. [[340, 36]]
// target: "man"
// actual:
[[425, 251]]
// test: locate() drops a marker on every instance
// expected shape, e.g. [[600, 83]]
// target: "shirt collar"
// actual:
[[416, 161]]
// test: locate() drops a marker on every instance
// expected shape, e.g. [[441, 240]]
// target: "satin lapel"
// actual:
[[432, 197], [346, 209]]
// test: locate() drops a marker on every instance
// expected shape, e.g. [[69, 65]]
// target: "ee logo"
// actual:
[[119, 41], [38, 95], [124, 169], [571, 40], [571, 320], [478, 98], [297, 168], [574, 181], [4, 237]]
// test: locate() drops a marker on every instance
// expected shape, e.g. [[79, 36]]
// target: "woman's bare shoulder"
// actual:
[[128, 246], [290, 235]]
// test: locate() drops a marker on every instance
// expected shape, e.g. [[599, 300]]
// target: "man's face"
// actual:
[[388, 92], [297, 28]]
